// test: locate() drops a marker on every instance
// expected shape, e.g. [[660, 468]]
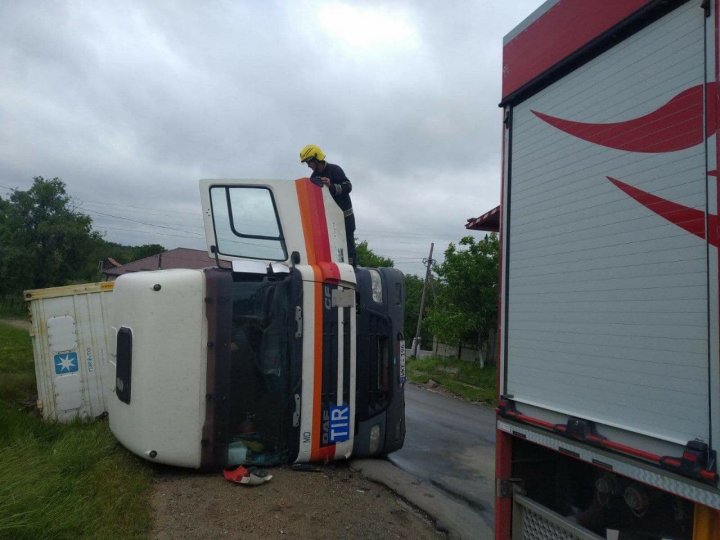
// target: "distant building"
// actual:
[[175, 258]]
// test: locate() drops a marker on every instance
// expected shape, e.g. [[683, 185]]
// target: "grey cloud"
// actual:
[[132, 102]]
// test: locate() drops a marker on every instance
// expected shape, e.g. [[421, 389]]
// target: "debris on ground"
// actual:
[[334, 503]]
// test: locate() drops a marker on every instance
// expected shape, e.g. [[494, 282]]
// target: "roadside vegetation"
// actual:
[[465, 308], [47, 242], [13, 306], [61, 480], [460, 377]]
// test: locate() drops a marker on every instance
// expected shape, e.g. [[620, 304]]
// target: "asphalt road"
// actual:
[[451, 444]]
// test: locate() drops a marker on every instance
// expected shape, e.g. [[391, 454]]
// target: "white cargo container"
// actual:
[[70, 347]]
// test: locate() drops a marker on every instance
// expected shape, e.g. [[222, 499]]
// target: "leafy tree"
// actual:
[[44, 241], [365, 257], [466, 305], [90, 270]]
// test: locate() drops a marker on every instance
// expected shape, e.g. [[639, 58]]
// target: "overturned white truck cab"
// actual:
[[282, 352]]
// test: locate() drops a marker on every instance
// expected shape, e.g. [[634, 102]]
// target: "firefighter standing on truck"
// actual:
[[332, 176]]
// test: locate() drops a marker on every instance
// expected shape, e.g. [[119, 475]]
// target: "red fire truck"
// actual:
[[609, 340]]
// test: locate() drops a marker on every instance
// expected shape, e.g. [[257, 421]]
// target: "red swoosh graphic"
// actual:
[[676, 125], [690, 219]]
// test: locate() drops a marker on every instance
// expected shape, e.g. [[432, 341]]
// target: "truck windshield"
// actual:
[[261, 407]]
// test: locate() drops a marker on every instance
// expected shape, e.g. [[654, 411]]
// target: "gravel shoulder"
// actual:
[[333, 503]]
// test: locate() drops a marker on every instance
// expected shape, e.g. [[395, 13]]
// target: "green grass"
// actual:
[[465, 379], [61, 480], [17, 370]]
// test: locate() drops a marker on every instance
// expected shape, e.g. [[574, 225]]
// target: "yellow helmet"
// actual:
[[311, 151]]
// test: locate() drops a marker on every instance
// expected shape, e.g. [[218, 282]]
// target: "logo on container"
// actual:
[[66, 363]]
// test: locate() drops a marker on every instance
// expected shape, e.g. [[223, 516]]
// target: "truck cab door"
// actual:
[[273, 221]]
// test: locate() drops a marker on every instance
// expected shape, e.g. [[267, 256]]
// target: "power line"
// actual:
[[142, 222], [145, 209], [102, 229], [423, 235], [199, 232], [167, 212]]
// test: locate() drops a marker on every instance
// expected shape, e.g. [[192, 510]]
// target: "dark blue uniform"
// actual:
[[340, 188]]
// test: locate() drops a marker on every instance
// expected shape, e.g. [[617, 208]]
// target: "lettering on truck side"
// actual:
[[90, 360], [328, 297], [340, 423]]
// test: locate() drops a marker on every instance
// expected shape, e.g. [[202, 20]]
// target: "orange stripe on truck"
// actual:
[[304, 204], [314, 220], [317, 244]]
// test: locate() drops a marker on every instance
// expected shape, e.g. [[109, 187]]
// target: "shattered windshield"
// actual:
[[261, 406]]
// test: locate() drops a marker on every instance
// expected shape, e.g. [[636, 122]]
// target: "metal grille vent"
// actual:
[[532, 521]]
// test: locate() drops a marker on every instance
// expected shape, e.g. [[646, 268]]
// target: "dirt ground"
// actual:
[[335, 502]]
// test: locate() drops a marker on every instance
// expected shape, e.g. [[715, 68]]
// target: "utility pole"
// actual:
[[428, 262]]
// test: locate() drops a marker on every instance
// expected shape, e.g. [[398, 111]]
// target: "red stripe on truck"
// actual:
[[556, 34], [690, 219], [315, 229], [676, 125]]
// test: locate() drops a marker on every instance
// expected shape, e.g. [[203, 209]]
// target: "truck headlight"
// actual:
[[376, 285]]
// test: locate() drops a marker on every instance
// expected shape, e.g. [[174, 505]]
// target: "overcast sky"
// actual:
[[130, 103]]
